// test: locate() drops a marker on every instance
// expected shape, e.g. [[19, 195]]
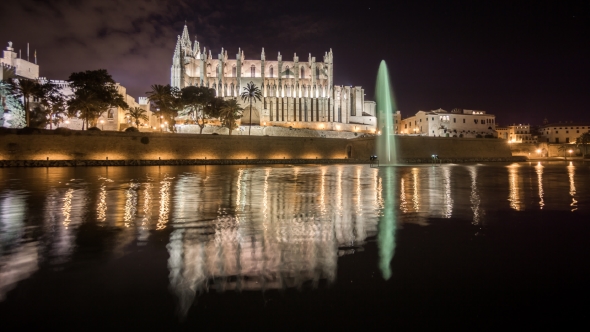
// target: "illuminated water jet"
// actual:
[[386, 145]]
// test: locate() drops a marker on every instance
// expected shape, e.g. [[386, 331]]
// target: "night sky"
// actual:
[[520, 60]]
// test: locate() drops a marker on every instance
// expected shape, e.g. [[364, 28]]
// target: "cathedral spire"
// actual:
[[177, 48], [196, 47], [185, 35]]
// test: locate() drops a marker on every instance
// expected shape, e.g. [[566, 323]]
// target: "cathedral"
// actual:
[[296, 94]]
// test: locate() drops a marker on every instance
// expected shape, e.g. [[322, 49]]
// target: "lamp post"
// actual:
[[570, 152], [101, 124], [161, 117]]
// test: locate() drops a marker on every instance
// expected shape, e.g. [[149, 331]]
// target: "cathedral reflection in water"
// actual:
[[257, 228]]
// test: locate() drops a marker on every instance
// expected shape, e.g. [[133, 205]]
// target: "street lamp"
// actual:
[[161, 126], [101, 124], [570, 152]]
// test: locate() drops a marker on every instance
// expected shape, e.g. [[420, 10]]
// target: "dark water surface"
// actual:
[[303, 247]]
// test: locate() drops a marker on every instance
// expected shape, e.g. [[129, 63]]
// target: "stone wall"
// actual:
[[83, 148], [421, 148], [97, 145]]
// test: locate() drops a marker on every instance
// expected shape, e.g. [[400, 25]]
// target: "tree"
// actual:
[[251, 92], [196, 103], [166, 101], [52, 105], [137, 113], [583, 140], [230, 112], [25, 89], [95, 92]]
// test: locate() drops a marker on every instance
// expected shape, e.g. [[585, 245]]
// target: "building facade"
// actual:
[[566, 132], [520, 133], [298, 94], [457, 123], [22, 68]]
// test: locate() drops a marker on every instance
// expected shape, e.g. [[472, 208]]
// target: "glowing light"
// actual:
[[101, 209], [67, 208], [416, 191], [448, 201], [164, 202], [130, 204], [474, 198], [571, 172], [514, 188], [539, 171]]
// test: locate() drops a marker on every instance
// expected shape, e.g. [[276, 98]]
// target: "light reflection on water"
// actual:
[[257, 228]]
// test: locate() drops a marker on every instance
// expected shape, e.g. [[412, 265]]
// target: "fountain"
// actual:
[[387, 156], [385, 145]]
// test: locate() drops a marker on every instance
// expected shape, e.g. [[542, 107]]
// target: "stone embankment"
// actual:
[[174, 162], [70, 148]]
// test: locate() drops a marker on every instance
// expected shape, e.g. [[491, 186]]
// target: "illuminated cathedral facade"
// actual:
[[298, 94]]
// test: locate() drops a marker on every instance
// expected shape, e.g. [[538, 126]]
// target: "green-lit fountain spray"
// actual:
[[385, 147], [386, 153]]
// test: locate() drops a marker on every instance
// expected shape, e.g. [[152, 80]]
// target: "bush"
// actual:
[[131, 130], [94, 129], [145, 140], [63, 131], [28, 131], [478, 136], [215, 134]]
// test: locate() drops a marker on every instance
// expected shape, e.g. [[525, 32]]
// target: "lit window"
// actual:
[[272, 71]]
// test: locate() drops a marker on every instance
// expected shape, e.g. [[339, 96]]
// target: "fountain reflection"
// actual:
[[387, 224], [571, 170]]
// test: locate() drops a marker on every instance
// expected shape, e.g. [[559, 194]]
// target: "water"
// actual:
[[386, 145], [480, 245]]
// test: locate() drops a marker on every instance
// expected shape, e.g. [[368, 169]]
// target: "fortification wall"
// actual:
[[96, 145], [43, 145], [421, 148]]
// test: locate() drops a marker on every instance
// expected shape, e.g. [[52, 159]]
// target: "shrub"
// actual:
[[94, 129], [63, 131], [145, 140], [131, 130], [478, 136]]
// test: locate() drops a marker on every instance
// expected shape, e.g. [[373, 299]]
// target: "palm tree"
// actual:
[[583, 140], [137, 113], [26, 88], [230, 112], [251, 92]]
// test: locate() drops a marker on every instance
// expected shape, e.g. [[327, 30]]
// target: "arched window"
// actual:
[[302, 72], [253, 71], [272, 72], [234, 71], [287, 72], [317, 72]]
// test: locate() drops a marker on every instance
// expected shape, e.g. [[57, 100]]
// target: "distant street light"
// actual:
[[101, 124]]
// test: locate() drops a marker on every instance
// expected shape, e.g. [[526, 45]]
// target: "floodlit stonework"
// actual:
[[298, 94], [457, 123]]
